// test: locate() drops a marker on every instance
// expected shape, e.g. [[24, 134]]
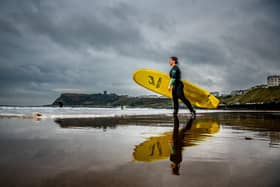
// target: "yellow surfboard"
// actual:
[[158, 82]]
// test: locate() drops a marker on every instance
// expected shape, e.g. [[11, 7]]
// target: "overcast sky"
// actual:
[[88, 46]]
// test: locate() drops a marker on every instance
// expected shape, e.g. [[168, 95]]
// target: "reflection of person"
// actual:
[[178, 143], [177, 87]]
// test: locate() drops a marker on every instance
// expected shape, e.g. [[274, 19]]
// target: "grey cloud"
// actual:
[[200, 53], [50, 46], [72, 28]]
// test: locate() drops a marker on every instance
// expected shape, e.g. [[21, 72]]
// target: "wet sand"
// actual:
[[217, 149]]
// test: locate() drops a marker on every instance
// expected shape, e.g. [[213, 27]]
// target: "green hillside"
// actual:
[[256, 95]]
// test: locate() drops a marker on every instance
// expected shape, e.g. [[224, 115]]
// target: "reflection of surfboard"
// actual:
[[158, 82], [158, 147]]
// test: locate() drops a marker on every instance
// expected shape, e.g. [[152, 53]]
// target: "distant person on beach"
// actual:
[[60, 103], [177, 87]]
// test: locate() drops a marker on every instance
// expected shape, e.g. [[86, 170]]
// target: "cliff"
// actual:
[[110, 100]]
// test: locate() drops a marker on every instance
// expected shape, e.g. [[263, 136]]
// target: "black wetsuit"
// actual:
[[178, 89]]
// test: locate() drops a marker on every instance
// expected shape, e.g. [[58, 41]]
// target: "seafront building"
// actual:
[[259, 86], [216, 94], [238, 92], [273, 80], [148, 96]]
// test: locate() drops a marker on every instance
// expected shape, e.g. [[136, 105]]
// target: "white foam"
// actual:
[[69, 112]]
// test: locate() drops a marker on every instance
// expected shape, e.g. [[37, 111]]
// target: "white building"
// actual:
[[238, 92], [259, 86], [273, 80], [148, 96], [216, 94]]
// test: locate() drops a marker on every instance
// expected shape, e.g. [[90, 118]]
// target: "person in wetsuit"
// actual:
[[177, 87]]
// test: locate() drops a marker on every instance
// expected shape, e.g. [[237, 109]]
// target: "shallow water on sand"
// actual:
[[215, 149]]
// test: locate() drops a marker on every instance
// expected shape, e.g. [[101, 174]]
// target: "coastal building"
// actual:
[[148, 96], [238, 92], [273, 80], [259, 86], [216, 94]]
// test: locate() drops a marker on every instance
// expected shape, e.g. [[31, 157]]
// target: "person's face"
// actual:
[[171, 62]]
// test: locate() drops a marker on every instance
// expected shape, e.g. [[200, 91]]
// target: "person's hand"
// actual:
[[169, 88]]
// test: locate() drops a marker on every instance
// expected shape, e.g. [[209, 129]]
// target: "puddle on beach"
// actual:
[[214, 149]]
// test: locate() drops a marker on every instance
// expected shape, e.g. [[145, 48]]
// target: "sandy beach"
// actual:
[[215, 149]]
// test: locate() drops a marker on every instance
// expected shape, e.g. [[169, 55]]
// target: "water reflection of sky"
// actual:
[[262, 126], [236, 142]]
